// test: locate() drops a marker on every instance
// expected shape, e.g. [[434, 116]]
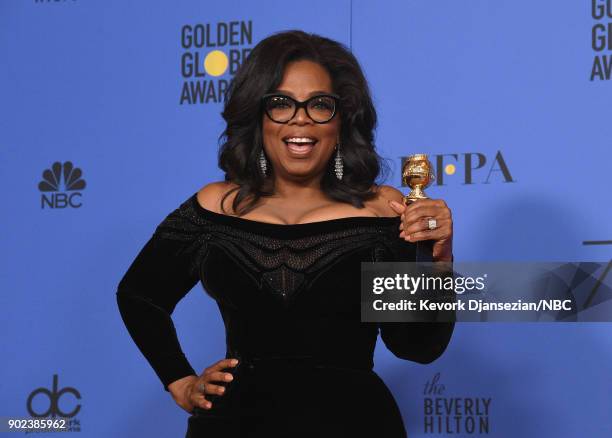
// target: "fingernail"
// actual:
[[234, 362], [229, 377]]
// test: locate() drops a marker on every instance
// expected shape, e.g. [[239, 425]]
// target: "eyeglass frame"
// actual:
[[301, 104]]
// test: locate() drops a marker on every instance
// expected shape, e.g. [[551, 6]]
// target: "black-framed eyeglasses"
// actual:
[[281, 108]]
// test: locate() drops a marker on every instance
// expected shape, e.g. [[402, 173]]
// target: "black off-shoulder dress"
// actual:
[[289, 296]]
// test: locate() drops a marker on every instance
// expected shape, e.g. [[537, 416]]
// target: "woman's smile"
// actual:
[[300, 146]]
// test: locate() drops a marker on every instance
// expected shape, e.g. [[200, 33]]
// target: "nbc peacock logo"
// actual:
[[61, 186]]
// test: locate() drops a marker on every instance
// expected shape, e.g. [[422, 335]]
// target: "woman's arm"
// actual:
[[421, 342], [158, 278]]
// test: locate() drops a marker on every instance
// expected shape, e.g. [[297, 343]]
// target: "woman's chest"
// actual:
[[277, 274]]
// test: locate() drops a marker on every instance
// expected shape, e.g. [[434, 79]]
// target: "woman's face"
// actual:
[[301, 80]]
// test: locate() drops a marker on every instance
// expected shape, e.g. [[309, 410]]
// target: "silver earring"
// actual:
[[339, 166], [263, 164]]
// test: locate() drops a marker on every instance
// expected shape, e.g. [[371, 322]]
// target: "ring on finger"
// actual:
[[201, 387], [432, 223]]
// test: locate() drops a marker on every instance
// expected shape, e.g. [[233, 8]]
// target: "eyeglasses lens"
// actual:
[[282, 109], [321, 109]]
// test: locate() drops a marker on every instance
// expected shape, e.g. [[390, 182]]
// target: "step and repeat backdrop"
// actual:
[[110, 118]]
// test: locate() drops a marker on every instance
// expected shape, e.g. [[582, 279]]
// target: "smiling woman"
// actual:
[[295, 67], [298, 145], [279, 245]]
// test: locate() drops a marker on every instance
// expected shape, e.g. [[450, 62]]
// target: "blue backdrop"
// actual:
[[511, 98]]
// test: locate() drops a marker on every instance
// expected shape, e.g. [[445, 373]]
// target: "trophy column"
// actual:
[[417, 174]]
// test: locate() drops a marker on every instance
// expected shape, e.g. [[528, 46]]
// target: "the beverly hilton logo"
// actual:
[[449, 415], [211, 55], [61, 186]]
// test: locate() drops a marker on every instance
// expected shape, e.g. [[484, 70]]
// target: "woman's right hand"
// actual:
[[187, 392]]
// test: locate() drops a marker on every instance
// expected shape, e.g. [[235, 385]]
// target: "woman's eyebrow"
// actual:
[[312, 93]]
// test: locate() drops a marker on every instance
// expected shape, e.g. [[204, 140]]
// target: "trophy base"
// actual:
[[414, 195]]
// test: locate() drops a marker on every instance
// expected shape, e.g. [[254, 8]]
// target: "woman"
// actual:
[[278, 245]]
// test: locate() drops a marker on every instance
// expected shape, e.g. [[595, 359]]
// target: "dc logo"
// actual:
[[54, 396]]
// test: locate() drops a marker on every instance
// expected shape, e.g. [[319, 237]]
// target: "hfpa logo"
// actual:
[[474, 167], [60, 186]]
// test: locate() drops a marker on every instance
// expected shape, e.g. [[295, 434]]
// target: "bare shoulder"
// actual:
[[390, 193], [211, 194], [384, 194]]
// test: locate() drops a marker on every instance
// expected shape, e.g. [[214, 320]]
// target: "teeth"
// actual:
[[300, 140]]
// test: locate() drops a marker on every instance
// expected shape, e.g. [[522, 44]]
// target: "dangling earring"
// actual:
[[339, 166], [263, 163]]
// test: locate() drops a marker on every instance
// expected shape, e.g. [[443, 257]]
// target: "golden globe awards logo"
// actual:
[[453, 415], [211, 55], [601, 39], [470, 168]]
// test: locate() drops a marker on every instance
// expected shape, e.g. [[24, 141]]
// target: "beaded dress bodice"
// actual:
[[283, 291], [284, 258]]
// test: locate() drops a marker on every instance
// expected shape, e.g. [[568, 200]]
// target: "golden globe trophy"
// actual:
[[417, 174]]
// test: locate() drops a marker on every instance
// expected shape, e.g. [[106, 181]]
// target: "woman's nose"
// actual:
[[301, 116]]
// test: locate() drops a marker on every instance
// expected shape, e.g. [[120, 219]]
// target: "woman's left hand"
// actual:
[[415, 221]]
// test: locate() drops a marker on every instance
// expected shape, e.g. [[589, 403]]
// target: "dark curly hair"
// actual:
[[242, 141]]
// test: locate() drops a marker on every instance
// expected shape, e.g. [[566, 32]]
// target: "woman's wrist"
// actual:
[[443, 257], [177, 388]]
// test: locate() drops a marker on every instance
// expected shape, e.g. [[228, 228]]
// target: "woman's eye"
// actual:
[[322, 104], [280, 103]]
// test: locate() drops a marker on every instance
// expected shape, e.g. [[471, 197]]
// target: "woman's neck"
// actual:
[[305, 189]]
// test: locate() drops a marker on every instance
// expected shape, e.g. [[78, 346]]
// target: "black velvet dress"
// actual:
[[289, 296]]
